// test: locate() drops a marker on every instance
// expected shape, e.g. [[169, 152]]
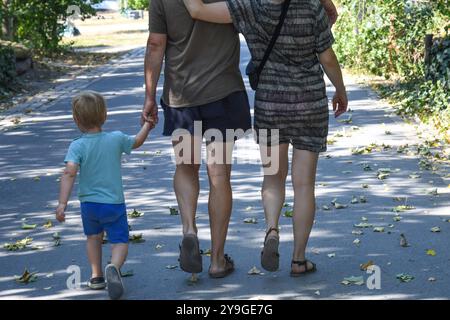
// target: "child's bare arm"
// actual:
[[143, 134], [67, 181], [330, 64]]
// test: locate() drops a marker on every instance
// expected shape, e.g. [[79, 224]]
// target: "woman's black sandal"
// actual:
[[303, 264], [270, 258]]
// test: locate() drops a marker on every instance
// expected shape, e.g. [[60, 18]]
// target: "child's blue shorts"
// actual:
[[112, 218]]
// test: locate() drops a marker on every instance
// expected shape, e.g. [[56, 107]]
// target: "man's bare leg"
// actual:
[[187, 187]]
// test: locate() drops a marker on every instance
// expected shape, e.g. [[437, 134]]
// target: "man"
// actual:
[[202, 82]]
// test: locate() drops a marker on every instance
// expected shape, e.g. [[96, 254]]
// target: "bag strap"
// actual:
[[274, 36]]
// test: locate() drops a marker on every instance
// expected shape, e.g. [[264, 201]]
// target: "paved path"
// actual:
[[31, 159]]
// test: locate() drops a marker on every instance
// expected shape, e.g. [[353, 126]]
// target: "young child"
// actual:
[[97, 155]]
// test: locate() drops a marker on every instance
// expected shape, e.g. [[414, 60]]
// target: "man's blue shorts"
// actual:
[[112, 218]]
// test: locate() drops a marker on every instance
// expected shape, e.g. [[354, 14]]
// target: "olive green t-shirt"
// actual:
[[201, 59]]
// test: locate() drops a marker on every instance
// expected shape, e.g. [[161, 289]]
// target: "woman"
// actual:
[[290, 97]]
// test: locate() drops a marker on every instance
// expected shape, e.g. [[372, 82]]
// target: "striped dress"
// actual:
[[291, 94]]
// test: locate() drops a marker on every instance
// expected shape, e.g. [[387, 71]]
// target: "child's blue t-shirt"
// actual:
[[99, 156]]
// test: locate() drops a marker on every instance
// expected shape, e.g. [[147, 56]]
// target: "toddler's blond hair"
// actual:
[[89, 109]]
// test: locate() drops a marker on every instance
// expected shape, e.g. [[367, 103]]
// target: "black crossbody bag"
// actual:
[[253, 72]]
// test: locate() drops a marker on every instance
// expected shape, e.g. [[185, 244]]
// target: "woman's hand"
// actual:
[[331, 10], [216, 12], [340, 103]]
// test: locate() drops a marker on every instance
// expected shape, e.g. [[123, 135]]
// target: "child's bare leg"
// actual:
[[94, 251], [119, 254]]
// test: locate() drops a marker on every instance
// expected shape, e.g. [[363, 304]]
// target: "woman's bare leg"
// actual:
[[274, 186], [304, 167]]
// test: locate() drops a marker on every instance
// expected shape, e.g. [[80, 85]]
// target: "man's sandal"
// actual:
[[270, 258], [303, 264], [229, 268]]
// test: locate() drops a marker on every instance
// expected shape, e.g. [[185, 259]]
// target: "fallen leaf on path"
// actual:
[[364, 219], [354, 200], [159, 246], [249, 208], [206, 252], [26, 226], [414, 176], [357, 232], [317, 293], [403, 277], [171, 266], [378, 229], [37, 178], [366, 265], [56, 236], [347, 121], [173, 211], [48, 224], [251, 220], [397, 218], [357, 241], [435, 229], [338, 205], [27, 277], [358, 281], [433, 192], [288, 213], [326, 208], [363, 225], [365, 186], [128, 273], [362, 199], [137, 238], [331, 255], [254, 271], [135, 214], [382, 175], [431, 279], [18, 245], [431, 252], [402, 208]]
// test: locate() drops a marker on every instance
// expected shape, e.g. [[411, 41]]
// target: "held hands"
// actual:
[[340, 103], [60, 215], [150, 113]]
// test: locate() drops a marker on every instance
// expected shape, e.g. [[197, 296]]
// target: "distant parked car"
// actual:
[[107, 5]]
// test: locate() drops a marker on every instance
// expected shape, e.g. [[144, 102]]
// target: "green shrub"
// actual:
[[7, 66], [138, 4]]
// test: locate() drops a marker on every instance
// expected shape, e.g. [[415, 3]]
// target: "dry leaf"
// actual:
[[135, 214], [254, 271], [251, 220], [366, 265], [26, 226], [431, 252], [353, 281], [403, 277], [48, 224], [435, 229], [27, 277], [173, 211]]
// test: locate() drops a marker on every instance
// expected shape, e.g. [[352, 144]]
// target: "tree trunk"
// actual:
[[8, 27]]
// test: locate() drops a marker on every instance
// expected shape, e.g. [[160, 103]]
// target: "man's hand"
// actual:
[[331, 10], [60, 215], [340, 103], [150, 112]]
